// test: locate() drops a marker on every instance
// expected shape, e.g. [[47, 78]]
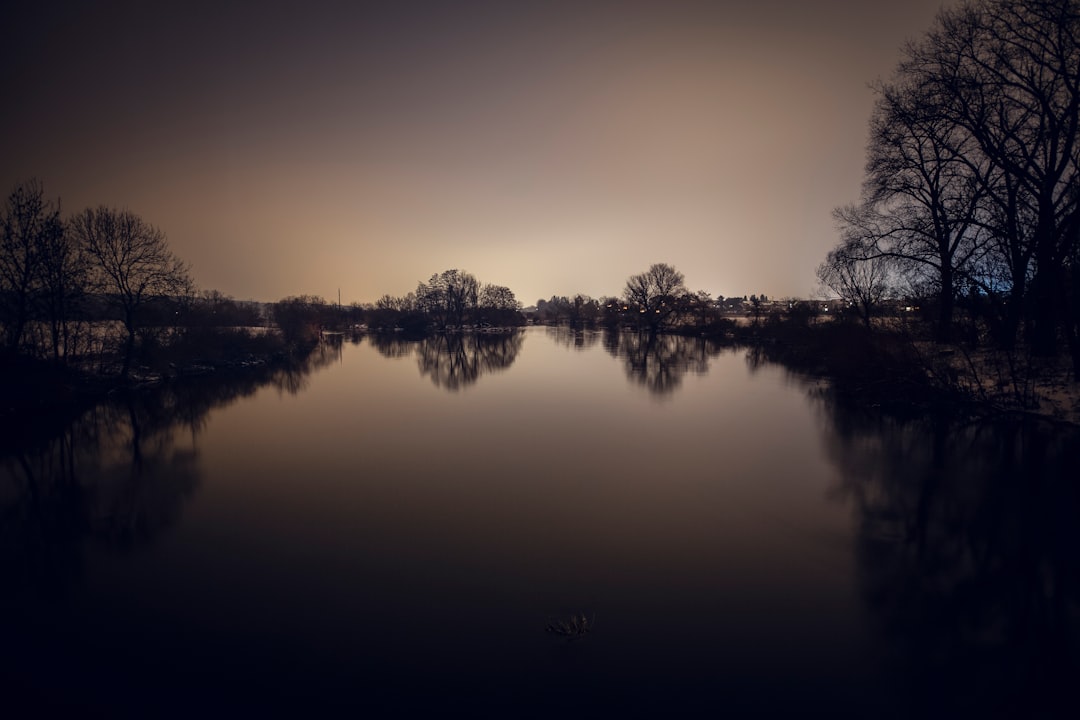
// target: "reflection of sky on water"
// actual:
[[361, 527]]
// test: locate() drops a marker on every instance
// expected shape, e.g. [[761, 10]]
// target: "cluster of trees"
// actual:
[[972, 193], [698, 308], [103, 284], [578, 311], [212, 308], [450, 300], [654, 301], [658, 298], [55, 273], [65, 282], [301, 318]]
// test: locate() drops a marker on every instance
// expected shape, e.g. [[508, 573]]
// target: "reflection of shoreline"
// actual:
[[118, 475], [968, 552], [61, 397], [577, 338]]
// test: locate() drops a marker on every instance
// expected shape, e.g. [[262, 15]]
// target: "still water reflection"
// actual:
[[968, 551], [390, 527], [455, 361]]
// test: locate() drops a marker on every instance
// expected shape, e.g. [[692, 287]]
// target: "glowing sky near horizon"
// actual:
[[551, 147]]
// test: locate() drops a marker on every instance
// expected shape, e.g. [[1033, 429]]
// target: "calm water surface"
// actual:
[[390, 530]]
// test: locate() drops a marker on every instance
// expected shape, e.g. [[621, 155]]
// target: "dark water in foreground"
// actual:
[[390, 531]]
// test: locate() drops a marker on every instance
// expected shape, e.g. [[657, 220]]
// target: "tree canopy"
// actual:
[[971, 185], [656, 294]]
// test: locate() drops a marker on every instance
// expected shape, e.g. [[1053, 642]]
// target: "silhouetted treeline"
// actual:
[[972, 194], [448, 301], [656, 300], [101, 292], [55, 272]]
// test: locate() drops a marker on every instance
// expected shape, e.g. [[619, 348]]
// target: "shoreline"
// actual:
[[39, 396], [884, 369]]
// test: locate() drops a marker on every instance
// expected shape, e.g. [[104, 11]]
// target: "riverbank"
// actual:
[[892, 366], [38, 394], [896, 367]]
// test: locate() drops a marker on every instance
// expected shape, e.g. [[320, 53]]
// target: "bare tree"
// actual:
[[655, 294], [449, 298], [131, 264], [1006, 74], [701, 307], [922, 193], [29, 226], [858, 276], [64, 272]]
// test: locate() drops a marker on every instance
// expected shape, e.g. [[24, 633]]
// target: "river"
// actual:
[[393, 529]]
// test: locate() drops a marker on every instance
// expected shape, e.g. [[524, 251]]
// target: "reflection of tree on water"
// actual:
[[756, 358], [392, 345], [969, 556], [576, 338], [117, 476], [142, 478], [659, 362], [293, 377], [454, 361]]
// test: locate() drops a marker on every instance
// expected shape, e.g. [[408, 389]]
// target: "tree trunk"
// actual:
[[55, 332], [1044, 311], [18, 325], [943, 331], [1044, 314]]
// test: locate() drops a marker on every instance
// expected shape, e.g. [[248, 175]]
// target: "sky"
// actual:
[[552, 147]]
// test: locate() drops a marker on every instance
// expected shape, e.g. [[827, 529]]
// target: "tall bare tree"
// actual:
[[29, 226], [922, 194], [1006, 73], [64, 272], [858, 275], [131, 264]]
